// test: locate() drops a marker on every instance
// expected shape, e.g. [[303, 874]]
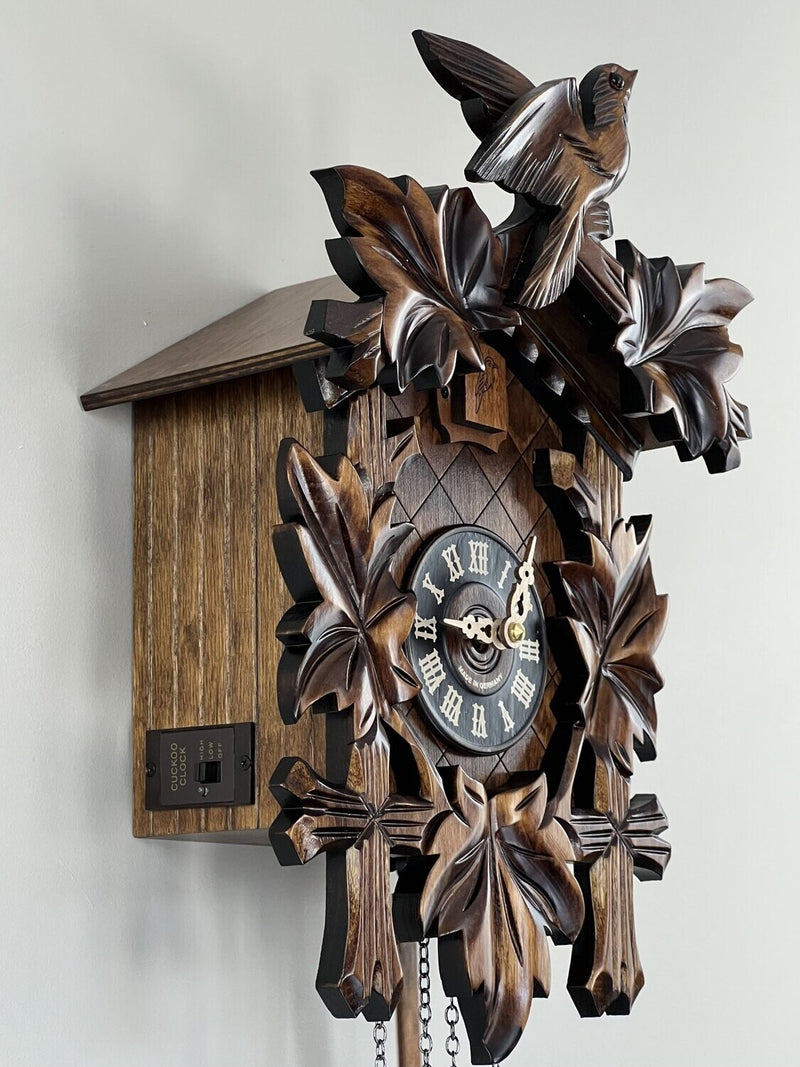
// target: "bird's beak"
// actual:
[[632, 76]]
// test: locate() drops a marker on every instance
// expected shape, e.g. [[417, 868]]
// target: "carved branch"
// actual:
[[606, 975], [360, 826], [571, 496], [359, 968], [616, 839], [609, 623]]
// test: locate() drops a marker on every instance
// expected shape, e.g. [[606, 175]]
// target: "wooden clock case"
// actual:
[[209, 414], [279, 448]]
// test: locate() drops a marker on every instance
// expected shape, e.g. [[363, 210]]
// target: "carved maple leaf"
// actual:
[[677, 351], [350, 644], [499, 882], [436, 259], [605, 646]]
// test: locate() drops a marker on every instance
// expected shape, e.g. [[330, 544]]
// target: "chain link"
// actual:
[[452, 1044], [379, 1034], [425, 1038]]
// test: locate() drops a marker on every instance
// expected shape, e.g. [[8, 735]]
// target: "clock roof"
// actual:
[[263, 335]]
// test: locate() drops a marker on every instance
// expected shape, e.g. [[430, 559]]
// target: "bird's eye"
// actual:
[[616, 81]]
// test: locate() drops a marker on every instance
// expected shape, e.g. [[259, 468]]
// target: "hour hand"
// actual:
[[473, 629]]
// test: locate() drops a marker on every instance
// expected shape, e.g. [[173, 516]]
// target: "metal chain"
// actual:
[[425, 1039], [379, 1034], [452, 1044]]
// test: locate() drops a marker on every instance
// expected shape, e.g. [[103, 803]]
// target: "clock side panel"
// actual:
[[207, 588]]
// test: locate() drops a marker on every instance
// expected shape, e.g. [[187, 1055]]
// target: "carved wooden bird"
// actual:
[[559, 144]]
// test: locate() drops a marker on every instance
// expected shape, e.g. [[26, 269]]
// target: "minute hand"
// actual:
[[520, 602]]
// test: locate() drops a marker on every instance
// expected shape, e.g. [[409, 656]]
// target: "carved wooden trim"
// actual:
[[474, 407], [359, 968], [337, 551], [621, 350], [605, 974], [609, 621], [639, 832], [360, 825], [434, 258], [499, 882], [678, 357], [616, 839], [344, 639]]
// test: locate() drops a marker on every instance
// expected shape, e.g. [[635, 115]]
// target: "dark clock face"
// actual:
[[478, 642]]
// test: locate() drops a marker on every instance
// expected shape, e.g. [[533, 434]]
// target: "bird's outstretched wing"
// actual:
[[485, 85], [539, 146]]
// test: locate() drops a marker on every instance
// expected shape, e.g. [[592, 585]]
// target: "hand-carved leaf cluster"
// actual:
[[500, 881], [440, 266], [677, 352], [639, 833], [355, 636], [319, 815], [360, 825], [614, 623]]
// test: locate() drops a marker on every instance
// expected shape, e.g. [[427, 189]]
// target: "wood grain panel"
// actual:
[[242, 583], [142, 635], [161, 585], [216, 564], [207, 590], [188, 575]]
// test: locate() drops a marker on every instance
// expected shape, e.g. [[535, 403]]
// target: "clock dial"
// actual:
[[478, 642]]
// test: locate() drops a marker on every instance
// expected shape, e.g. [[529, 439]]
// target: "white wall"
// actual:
[[153, 177]]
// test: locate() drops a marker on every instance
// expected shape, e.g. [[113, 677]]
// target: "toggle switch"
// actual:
[[209, 772]]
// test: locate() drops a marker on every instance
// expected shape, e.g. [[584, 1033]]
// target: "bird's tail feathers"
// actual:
[[555, 266]]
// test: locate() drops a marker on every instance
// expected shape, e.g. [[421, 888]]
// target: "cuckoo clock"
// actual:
[[388, 606]]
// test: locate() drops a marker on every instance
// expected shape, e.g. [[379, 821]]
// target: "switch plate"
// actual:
[[200, 767]]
